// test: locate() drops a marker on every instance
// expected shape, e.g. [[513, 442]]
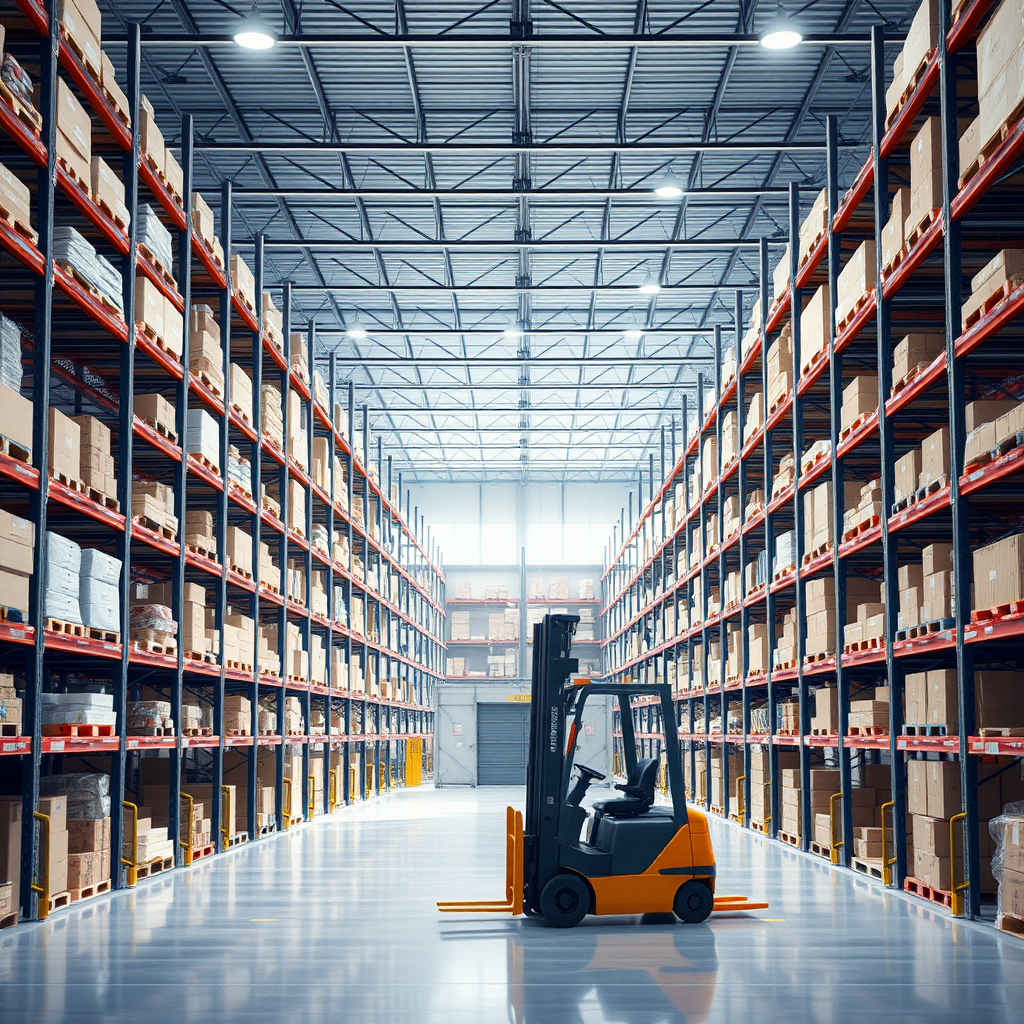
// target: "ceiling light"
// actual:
[[357, 332], [782, 33], [633, 334], [253, 33], [650, 286], [668, 187], [512, 333]]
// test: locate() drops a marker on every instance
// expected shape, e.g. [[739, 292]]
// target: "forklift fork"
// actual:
[[513, 901]]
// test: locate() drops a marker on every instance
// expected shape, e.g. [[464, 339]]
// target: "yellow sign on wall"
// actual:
[[518, 698]]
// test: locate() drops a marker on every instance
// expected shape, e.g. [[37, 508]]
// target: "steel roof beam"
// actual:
[[483, 41], [490, 289], [494, 245], [537, 332], [518, 360], [497, 149], [638, 195]]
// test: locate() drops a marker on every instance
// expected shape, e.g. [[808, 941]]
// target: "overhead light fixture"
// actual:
[[512, 333], [253, 33], [633, 334], [357, 332], [650, 286], [781, 33], [668, 187]]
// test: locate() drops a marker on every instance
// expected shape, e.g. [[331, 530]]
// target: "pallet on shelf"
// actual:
[[87, 892]]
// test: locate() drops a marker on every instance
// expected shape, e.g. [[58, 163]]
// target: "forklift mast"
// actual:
[[552, 668]]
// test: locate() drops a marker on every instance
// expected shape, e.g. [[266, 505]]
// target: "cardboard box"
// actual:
[[893, 235], [937, 596], [107, 187], [856, 279], [907, 474], [915, 349], [16, 417], [917, 787], [815, 326], [82, 22], [151, 141], [978, 413], [925, 172], [860, 397], [935, 457], [999, 572], [936, 558], [17, 543], [88, 835], [155, 408], [86, 869], [74, 125], [915, 698], [944, 796], [56, 808], [65, 445], [942, 706], [58, 860]]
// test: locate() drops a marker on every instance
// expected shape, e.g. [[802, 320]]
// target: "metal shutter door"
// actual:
[[502, 740]]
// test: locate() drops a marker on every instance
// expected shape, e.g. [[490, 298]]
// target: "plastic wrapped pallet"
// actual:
[[1007, 832], [63, 561], [156, 238], [11, 370], [147, 716], [239, 470], [17, 80], [88, 793], [97, 271], [202, 436], [153, 618], [78, 709]]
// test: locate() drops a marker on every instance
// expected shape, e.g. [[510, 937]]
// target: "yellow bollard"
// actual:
[[186, 843], [133, 863], [44, 856]]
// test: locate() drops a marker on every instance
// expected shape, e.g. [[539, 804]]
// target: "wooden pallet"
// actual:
[[143, 328], [204, 657], [67, 628], [65, 729], [237, 732], [873, 868], [204, 731], [154, 867], [815, 659], [782, 573], [149, 730], [113, 214], [888, 269], [266, 830], [205, 462], [203, 851], [871, 731], [83, 184], [759, 826], [204, 552], [1005, 923], [784, 667], [167, 647], [15, 451], [993, 731], [821, 851], [238, 839], [164, 431], [69, 482], [1002, 611], [238, 666], [106, 635], [152, 525], [999, 296], [240, 572], [822, 732], [924, 730], [851, 314], [867, 524], [787, 837], [854, 426], [912, 80], [918, 888], [216, 387], [909, 378], [94, 293], [920, 494], [875, 643], [27, 114], [87, 892], [816, 553], [925, 629], [104, 500], [914, 235], [9, 921], [164, 273], [10, 729], [19, 227], [989, 150], [59, 900], [87, 62]]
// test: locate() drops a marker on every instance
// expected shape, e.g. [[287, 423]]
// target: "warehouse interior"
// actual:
[[354, 355]]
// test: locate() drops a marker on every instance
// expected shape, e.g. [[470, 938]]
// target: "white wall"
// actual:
[[488, 524]]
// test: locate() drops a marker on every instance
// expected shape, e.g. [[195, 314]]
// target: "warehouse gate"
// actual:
[[502, 744]]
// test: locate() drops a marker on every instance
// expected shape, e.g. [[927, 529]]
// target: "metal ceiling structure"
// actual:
[[472, 186]]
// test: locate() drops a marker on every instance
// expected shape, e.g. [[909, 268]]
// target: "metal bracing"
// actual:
[[499, 168]]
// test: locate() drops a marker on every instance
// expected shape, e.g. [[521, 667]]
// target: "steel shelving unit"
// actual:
[[655, 568], [83, 355]]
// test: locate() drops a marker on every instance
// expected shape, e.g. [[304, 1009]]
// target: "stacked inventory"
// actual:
[[127, 477], [887, 444]]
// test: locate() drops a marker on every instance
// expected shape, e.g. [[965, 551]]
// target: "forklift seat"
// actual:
[[639, 790]]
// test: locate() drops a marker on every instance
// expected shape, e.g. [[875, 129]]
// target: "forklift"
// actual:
[[637, 857]]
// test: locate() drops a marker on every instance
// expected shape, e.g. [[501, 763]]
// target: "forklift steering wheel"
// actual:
[[590, 773]]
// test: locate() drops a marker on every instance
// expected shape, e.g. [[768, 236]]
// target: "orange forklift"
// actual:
[[626, 855]]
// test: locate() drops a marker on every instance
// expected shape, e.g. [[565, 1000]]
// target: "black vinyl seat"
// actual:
[[639, 790]]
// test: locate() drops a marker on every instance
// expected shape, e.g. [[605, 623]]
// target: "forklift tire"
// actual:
[[565, 901], [694, 902]]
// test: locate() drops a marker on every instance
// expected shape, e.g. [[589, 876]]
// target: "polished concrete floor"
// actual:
[[336, 922]]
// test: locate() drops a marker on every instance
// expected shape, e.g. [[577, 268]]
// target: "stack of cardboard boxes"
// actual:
[[865, 613], [205, 355], [243, 281], [273, 322], [153, 503], [815, 326], [925, 176], [820, 613], [992, 424], [158, 412], [1010, 839], [88, 853], [160, 315], [10, 707], [922, 467], [65, 446], [96, 464], [917, 45], [818, 518], [239, 641], [1000, 82], [74, 135], [760, 781], [785, 646], [824, 782], [999, 573], [860, 398], [10, 857], [825, 720], [870, 713], [863, 505], [16, 199], [271, 416], [913, 353], [856, 280], [930, 698], [814, 225], [17, 551], [717, 781], [204, 227], [894, 229]]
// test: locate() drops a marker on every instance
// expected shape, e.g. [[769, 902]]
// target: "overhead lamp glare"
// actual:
[[650, 286], [781, 34], [357, 332], [512, 333], [253, 33], [668, 188], [633, 334]]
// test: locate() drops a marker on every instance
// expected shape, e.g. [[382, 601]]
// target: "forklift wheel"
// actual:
[[565, 901], [694, 902]]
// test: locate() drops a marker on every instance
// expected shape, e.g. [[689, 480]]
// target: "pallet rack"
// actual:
[[653, 573], [516, 579], [82, 348]]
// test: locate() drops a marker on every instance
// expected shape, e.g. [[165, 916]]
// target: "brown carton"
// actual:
[[65, 445], [934, 456], [944, 797]]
